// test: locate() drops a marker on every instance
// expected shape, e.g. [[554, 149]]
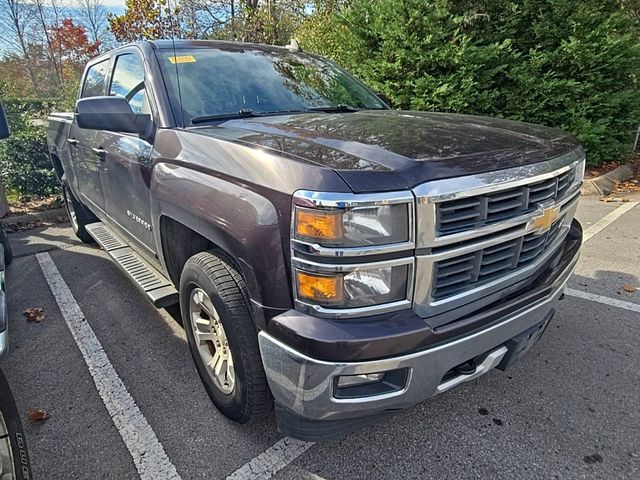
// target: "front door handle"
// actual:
[[100, 153], [72, 141]]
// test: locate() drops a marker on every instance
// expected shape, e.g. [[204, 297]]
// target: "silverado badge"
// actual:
[[542, 222]]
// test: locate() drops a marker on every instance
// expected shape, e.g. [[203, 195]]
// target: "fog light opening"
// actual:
[[353, 380], [370, 384]]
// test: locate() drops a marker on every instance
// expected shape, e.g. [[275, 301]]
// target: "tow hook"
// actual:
[[466, 368]]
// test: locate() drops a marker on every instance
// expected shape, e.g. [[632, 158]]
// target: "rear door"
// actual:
[[88, 165], [127, 167]]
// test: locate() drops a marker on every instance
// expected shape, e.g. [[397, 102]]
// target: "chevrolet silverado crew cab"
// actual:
[[330, 255]]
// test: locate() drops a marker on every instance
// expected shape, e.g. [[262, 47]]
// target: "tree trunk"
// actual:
[[51, 55]]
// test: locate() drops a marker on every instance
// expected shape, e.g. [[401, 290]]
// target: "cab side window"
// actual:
[[128, 82], [94, 80]]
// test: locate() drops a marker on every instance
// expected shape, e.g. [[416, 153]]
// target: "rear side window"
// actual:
[[94, 81], [128, 82]]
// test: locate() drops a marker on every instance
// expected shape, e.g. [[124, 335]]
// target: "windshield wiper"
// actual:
[[244, 113], [334, 108]]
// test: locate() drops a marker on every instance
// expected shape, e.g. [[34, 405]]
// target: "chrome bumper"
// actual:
[[306, 387]]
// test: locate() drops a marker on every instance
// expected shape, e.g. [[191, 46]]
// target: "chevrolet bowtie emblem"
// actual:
[[543, 221]]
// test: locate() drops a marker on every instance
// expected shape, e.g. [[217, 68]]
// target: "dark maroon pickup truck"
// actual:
[[331, 256]]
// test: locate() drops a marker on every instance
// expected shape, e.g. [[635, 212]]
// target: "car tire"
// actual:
[[79, 215], [222, 336], [19, 456]]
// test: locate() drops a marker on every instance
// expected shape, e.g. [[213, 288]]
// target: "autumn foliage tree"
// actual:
[[145, 19], [71, 41]]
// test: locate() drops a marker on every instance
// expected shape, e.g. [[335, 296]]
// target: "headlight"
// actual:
[[355, 289], [328, 227], [376, 220]]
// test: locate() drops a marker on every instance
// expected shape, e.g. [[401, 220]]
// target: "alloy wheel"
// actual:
[[211, 340]]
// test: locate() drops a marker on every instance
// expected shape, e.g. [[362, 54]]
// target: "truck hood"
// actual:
[[394, 150]]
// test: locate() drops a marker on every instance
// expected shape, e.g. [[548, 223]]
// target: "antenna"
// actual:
[[175, 64], [174, 29]]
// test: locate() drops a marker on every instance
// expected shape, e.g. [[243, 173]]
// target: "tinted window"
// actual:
[[94, 81], [214, 82], [128, 82]]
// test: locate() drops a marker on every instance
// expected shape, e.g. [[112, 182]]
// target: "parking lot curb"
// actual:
[[605, 184], [36, 219]]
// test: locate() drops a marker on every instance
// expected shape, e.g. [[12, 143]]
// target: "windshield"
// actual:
[[217, 82]]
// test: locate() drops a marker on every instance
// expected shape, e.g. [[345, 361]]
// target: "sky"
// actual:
[[112, 6]]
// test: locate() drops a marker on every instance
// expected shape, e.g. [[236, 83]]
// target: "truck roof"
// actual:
[[218, 44], [180, 44]]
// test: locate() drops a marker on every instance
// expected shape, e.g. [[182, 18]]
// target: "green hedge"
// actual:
[[20, 111], [24, 160], [572, 65], [25, 164]]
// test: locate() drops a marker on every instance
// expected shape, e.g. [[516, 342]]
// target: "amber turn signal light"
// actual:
[[320, 225], [319, 288]]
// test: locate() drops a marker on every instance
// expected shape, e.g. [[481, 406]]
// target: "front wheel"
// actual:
[[79, 215], [222, 337]]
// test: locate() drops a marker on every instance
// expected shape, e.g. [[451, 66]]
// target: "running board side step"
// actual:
[[153, 284]]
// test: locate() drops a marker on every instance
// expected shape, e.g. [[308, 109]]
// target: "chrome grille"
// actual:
[[455, 216], [472, 270]]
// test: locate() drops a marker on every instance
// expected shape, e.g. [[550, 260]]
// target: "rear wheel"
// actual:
[[222, 337], [79, 215]]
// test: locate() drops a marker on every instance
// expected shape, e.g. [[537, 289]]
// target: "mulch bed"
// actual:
[[28, 206], [27, 214]]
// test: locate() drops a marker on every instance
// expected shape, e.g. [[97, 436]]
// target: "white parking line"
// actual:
[[272, 460], [614, 302], [607, 220], [149, 456]]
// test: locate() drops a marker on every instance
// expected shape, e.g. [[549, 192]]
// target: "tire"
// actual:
[[239, 389], [79, 215], [19, 454], [4, 240]]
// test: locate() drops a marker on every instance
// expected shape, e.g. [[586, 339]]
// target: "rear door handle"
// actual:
[[72, 141], [100, 153]]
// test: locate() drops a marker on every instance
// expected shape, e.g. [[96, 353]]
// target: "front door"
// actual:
[[87, 164], [127, 166]]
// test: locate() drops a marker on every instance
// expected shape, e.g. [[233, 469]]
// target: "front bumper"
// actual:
[[308, 399]]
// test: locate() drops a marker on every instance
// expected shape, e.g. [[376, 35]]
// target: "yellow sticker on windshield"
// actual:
[[183, 59]]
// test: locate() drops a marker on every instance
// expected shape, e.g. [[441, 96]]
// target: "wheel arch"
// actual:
[[180, 241], [57, 167], [193, 211]]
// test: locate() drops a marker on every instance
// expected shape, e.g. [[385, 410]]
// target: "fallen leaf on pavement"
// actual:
[[34, 315], [37, 415], [629, 288]]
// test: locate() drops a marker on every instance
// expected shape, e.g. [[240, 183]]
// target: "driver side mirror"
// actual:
[[4, 124], [112, 114], [384, 98]]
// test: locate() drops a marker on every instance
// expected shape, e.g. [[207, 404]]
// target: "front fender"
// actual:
[[243, 223]]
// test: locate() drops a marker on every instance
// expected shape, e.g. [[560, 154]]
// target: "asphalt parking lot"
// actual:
[[568, 410]]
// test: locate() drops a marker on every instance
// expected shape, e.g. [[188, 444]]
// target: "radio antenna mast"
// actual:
[[175, 26]]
